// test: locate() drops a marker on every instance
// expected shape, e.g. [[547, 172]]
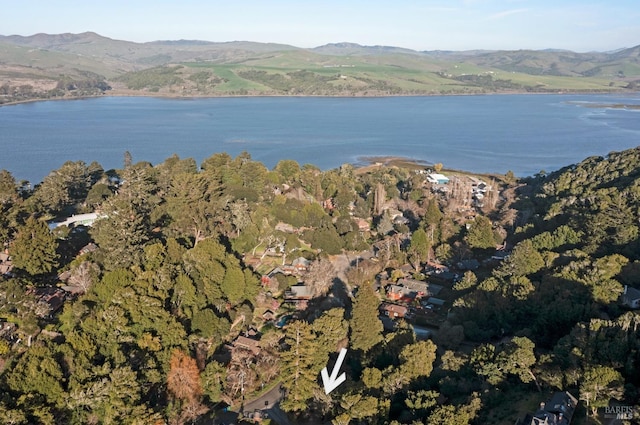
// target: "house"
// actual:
[[445, 276], [298, 293], [394, 310], [435, 178], [268, 316], [421, 289], [434, 302], [89, 248], [244, 343], [301, 264], [630, 297], [400, 293], [436, 267], [469, 264], [270, 279], [52, 298], [557, 411], [76, 220]]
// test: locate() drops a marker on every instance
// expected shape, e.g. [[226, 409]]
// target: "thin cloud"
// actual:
[[502, 15]]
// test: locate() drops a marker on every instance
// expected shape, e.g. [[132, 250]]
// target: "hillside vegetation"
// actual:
[[200, 68], [198, 286]]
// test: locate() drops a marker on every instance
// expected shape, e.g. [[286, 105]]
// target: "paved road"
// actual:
[[267, 403]]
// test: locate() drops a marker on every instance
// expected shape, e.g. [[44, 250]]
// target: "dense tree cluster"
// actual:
[[158, 291]]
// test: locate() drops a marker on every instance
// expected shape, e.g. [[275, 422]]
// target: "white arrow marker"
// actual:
[[332, 382]]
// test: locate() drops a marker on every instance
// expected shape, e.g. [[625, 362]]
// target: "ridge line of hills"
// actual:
[[51, 41], [50, 66]]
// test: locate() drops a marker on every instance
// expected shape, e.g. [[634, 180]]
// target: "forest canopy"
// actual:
[[162, 293]]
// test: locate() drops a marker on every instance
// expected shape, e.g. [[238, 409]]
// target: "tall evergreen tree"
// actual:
[[8, 189], [34, 249], [480, 235], [122, 232], [64, 187], [301, 364], [366, 328], [419, 247]]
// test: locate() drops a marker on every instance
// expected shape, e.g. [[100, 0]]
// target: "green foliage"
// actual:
[[331, 329], [523, 261], [152, 78], [64, 187], [168, 275], [295, 82], [480, 235], [416, 360], [469, 280], [8, 189], [372, 378], [208, 325], [419, 246], [598, 275], [301, 363], [366, 329], [124, 227], [518, 358], [213, 377], [358, 406], [288, 170], [456, 415], [38, 373], [34, 249], [483, 362], [562, 236], [98, 193], [599, 385], [421, 401], [233, 285], [325, 239]]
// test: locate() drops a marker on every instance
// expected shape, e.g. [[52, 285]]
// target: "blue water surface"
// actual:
[[493, 133]]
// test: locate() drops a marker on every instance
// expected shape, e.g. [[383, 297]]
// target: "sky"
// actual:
[[578, 25]]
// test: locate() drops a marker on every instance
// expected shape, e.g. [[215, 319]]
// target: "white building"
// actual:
[[436, 178], [76, 220]]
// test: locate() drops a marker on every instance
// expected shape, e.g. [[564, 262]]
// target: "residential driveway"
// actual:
[[267, 403]]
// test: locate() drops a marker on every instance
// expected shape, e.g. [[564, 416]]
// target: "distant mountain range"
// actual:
[[242, 67]]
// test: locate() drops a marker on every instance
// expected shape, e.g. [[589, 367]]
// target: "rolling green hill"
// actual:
[[201, 68]]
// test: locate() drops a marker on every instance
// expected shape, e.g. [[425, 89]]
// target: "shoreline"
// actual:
[[360, 96]]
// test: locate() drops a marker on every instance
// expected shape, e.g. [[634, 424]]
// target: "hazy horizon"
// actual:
[[187, 40], [458, 25]]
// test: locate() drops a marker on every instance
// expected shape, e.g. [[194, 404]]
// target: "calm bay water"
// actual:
[[522, 133]]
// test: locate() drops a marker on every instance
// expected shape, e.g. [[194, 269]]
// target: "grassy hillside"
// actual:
[[200, 68]]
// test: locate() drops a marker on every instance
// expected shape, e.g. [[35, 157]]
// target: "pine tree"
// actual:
[[366, 328], [301, 364], [122, 232], [480, 234], [34, 249], [331, 329], [419, 247]]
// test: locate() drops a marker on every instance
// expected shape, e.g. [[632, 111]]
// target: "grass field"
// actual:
[[244, 68]]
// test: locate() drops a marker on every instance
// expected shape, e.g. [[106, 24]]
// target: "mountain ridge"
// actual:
[[45, 39], [208, 68]]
